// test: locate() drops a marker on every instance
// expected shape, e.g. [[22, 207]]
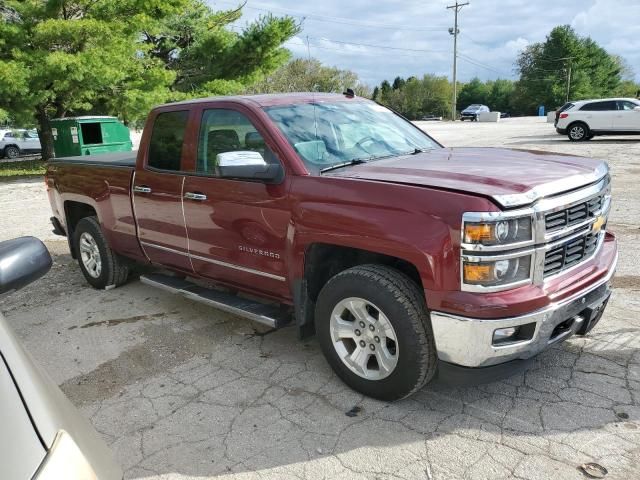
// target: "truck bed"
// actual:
[[103, 183], [115, 159]]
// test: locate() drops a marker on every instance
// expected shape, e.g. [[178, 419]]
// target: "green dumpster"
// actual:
[[91, 135]]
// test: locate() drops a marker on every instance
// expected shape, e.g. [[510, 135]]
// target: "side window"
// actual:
[[167, 137], [599, 106], [223, 131], [626, 105]]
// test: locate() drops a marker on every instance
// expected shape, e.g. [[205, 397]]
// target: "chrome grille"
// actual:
[[569, 254], [573, 215]]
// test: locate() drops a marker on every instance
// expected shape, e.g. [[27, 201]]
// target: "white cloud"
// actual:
[[492, 32]]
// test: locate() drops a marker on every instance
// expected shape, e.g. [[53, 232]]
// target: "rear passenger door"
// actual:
[[157, 192], [599, 115], [627, 119]]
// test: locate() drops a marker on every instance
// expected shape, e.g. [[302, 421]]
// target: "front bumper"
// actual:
[[468, 342]]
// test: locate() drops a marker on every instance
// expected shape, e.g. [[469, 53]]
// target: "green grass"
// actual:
[[22, 168]]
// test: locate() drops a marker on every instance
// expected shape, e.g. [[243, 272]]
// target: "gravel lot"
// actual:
[[183, 391]]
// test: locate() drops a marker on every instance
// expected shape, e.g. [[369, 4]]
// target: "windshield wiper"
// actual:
[[355, 161]]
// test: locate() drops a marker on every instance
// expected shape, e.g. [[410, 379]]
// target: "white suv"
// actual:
[[585, 119], [14, 143]]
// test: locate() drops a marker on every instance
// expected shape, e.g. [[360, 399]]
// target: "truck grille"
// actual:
[[569, 254], [573, 215]]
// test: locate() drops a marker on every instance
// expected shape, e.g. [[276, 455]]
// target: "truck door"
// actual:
[[157, 192], [237, 228]]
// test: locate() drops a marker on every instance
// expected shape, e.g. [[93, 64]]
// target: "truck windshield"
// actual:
[[328, 134]]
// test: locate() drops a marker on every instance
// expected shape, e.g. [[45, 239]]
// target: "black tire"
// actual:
[[11, 152], [114, 270], [403, 304], [578, 132]]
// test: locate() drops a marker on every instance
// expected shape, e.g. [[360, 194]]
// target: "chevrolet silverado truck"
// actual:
[[332, 213]]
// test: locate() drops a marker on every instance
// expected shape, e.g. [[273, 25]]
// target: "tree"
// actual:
[[473, 92], [418, 97], [376, 93], [309, 75], [385, 88], [61, 57], [499, 97], [544, 70], [398, 83]]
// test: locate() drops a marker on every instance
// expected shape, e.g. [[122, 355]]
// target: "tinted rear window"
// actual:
[[599, 106], [167, 137], [564, 107]]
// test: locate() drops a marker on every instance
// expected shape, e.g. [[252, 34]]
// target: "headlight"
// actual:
[[498, 232], [500, 272], [65, 460]]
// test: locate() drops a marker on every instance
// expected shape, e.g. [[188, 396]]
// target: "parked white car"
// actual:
[[14, 143], [585, 119]]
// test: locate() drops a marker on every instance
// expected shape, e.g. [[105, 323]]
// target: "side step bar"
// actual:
[[268, 314]]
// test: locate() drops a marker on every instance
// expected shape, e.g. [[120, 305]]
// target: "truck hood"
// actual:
[[512, 178]]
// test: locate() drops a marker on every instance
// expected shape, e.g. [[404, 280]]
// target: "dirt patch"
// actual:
[[162, 350], [117, 321], [627, 281]]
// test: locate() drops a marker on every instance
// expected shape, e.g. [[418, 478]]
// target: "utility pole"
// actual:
[[568, 78], [454, 31]]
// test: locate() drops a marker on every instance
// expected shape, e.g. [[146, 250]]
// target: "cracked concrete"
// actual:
[[181, 391]]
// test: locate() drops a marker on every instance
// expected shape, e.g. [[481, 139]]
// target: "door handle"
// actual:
[[141, 189], [195, 196]]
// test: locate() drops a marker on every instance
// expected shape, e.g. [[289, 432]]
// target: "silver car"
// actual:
[[14, 143], [42, 435]]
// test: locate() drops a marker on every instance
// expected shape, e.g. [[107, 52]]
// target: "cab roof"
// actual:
[[271, 99]]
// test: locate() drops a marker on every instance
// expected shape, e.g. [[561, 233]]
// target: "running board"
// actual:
[[268, 314]]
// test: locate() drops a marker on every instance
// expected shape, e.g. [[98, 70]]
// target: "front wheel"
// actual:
[[374, 330], [100, 265], [578, 132]]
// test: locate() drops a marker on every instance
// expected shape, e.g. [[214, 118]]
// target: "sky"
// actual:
[[383, 39]]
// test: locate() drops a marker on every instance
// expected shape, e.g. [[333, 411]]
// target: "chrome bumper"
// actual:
[[469, 341]]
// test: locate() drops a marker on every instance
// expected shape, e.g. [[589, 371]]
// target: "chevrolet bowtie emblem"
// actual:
[[598, 224]]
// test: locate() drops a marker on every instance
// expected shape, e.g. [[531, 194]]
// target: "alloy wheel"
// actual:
[[364, 338], [90, 255]]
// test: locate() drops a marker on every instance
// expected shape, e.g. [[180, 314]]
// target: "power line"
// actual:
[[332, 19], [349, 52], [385, 47], [479, 64]]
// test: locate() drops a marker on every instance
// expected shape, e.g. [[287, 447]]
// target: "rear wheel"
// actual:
[[100, 265], [11, 152], [375, 332], [578, 132]]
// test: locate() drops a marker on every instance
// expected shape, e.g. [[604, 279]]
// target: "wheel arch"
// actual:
[[581, 122], [10, 145], [74, 212], [322, 261]]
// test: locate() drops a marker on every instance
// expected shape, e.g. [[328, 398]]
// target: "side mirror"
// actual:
[[637, 109], [22, 261], [248, 165]]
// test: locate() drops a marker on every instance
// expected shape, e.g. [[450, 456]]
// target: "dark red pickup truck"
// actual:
[[330, 212]]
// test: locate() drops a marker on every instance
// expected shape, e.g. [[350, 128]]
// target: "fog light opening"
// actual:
[[509, 335], [503, 335]]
